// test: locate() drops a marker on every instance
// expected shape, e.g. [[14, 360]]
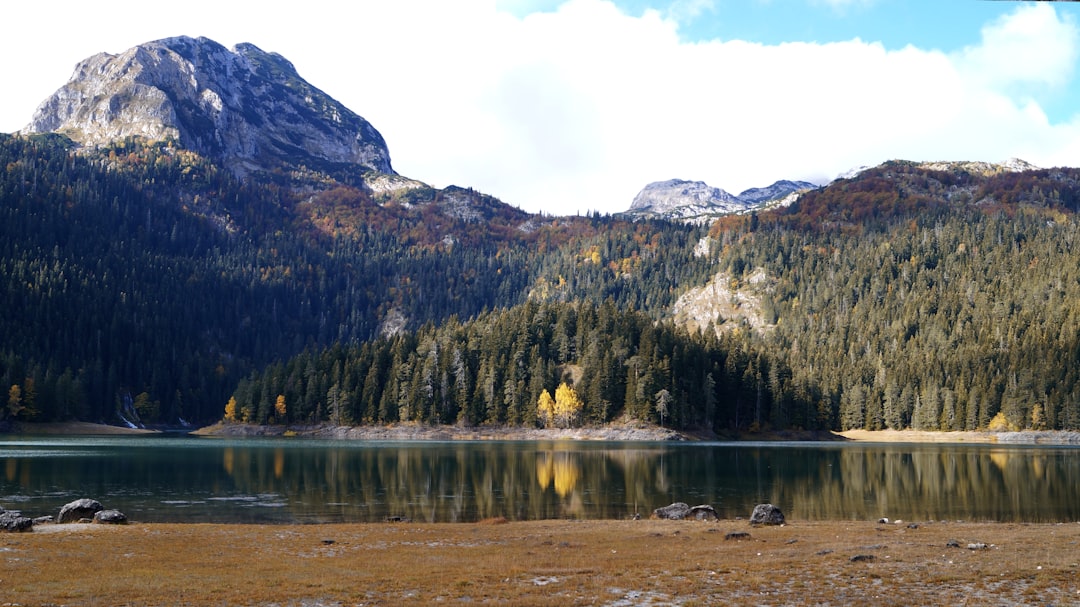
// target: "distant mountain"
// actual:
[[697, 202], [878, 195], [246, 109], [973, 168], [981, 169]]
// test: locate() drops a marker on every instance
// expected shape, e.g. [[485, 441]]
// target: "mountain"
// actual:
[[877, 196], [697, 202], [246, 109], [777, 193], [182, 260]]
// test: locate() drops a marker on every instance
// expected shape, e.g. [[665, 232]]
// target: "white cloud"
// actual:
[[578, 107], [1030, 46]]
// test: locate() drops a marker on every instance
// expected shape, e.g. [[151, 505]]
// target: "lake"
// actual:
[[283, 480]]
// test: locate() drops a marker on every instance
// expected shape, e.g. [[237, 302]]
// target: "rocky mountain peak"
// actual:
[[682, 200], [698, 202], [981, 169], [246, 108]]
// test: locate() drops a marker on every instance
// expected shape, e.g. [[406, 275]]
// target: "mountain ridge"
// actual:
[[697, 202], [246, 108]]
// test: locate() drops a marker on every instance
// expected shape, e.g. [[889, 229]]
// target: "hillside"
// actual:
[[153, 279], [912, 296], [143, 278]]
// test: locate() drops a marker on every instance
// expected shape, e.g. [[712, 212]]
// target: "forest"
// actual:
[[142, 283], [140, 279]]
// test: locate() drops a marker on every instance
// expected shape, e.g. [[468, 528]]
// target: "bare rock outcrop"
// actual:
[[246, 108]]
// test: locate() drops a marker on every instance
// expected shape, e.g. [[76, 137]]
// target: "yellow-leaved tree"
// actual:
[[15, 405], [230, 409], [567, 406], [279, 408], [545, 407]]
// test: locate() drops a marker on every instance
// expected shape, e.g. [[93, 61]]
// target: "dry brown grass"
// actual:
[[543, 563]]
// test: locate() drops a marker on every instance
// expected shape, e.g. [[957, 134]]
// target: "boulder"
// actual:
[[12, 522], [674, 512], [79, 509], [704, 512], [679, 511], [766, 514], [110, 517]]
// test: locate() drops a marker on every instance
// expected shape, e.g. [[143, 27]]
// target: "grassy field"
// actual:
[[613, 563]]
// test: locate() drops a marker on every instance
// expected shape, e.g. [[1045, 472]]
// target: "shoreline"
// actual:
[[549, 562], [77, 429], [411, 432], [612, 432], [982, 437]]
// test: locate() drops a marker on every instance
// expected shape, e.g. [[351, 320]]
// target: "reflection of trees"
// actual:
[[454, 481], [937, 483], [561, 469], [353, 481], [469, 481]]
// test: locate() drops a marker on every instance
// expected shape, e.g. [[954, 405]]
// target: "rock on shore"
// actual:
[[73, 512]]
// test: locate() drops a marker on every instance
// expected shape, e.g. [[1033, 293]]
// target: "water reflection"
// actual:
[[315, 481]]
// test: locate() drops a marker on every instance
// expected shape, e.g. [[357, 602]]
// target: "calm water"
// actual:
[[171, 479]]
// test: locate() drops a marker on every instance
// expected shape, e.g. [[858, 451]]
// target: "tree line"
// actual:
[[501, 368]]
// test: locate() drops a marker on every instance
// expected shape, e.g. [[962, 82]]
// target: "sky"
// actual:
[[573, 106]]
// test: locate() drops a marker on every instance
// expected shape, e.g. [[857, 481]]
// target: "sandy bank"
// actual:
[[1026, 437]]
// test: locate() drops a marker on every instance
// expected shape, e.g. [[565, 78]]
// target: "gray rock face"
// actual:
[[777, 191], [72, 512], [246, 108], [13, 522], [110, 517], [684, 200], [766, 514], [697, 202]]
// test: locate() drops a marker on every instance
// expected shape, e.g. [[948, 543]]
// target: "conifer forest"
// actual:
[[141, 282]]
